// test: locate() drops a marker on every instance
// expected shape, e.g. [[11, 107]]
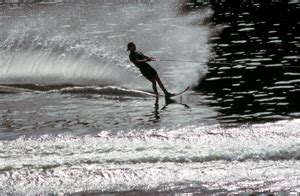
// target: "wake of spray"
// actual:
[[85, 44]]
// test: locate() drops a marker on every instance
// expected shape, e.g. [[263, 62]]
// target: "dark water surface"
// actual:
[[254, 74], [77, 117]]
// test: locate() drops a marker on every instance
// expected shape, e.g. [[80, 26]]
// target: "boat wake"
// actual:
[[70, 89]]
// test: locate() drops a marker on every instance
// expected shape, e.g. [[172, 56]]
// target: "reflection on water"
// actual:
[[161, 105], [35, 114], [255, 71]]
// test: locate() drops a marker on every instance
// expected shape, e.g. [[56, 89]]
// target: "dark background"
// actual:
[[255, 69]]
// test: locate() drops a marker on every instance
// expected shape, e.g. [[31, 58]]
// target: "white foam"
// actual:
[[250, 157]]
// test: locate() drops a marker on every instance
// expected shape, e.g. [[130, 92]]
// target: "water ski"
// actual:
[[176, 94]]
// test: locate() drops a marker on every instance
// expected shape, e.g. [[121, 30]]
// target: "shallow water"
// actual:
[[76, 117]]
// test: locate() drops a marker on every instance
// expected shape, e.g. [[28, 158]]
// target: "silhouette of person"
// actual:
[[140, 60]]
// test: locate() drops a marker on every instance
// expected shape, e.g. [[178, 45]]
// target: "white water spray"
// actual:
[[85, 44]]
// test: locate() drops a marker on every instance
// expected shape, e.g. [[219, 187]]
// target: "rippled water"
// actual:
[[208, 159], [87, 113], [76, 117], [255, 69]]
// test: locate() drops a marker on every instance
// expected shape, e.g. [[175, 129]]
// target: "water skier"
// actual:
[[140, 60]]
